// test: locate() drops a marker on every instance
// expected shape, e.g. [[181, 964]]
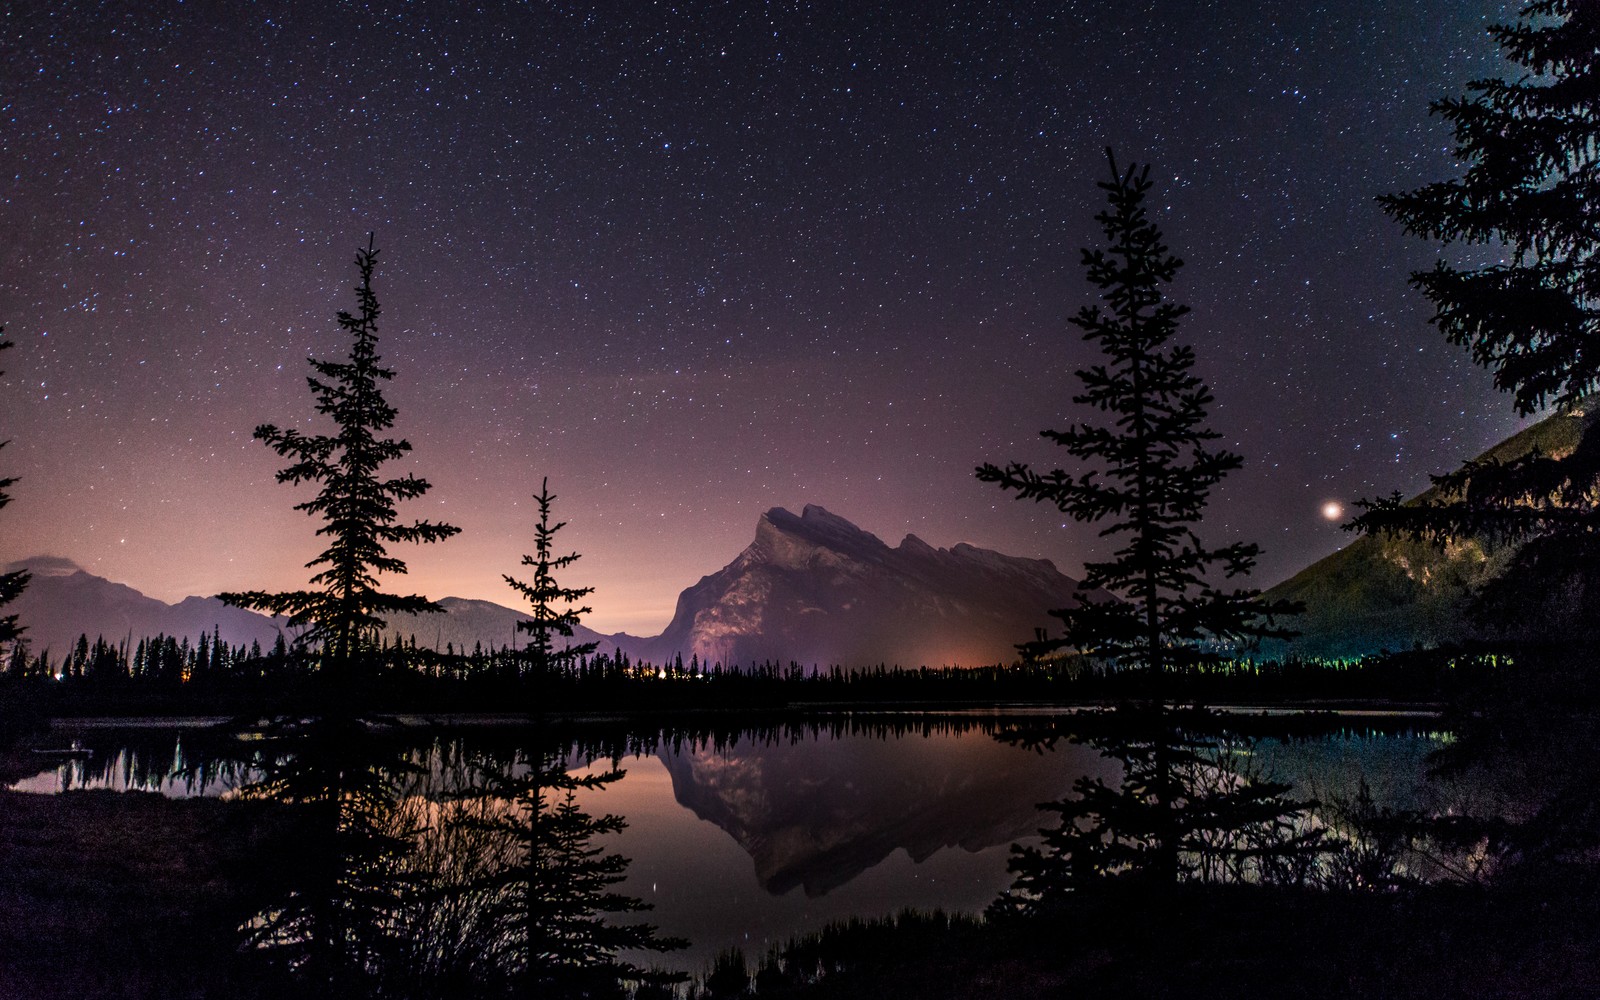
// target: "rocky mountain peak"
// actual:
[[816, 589], [814, 538]]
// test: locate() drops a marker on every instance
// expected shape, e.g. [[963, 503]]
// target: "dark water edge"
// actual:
[[1224, 942], [886, 805], [138, 895], [84, 915]]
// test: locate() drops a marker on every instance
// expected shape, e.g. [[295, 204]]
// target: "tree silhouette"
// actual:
[[357, 506], [1531, 146], [11, 584], [553, 614], [1147, 472]]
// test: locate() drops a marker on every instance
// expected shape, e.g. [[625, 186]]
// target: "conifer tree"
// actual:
[[14, 583], [553, 614], [1529, 191], [1530, 187], [345, 609], [1146, 472]]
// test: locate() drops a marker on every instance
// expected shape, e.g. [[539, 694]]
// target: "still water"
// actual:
[[746, 838]]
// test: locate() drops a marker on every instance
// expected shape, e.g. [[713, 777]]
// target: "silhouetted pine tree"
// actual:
[[1531, 146], [1147, 472], [345, 610], [553, 614], [11, 584]]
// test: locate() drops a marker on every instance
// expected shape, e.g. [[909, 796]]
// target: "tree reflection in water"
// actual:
[[461, 862], [332, 924], [477, 876], [1186, 792], [546, 912]]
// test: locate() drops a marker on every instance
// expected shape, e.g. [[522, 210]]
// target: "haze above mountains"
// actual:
[[813, 588]]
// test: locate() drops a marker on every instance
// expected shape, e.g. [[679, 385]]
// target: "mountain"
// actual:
[[466, 623], [63, 602], [817, 814], [1388, 593], [811, 588], [816, 589]]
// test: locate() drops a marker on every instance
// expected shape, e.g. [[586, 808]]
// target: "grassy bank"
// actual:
[[129, 895]]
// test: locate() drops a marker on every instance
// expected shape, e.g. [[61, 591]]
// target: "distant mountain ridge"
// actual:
[[63, 601], [467, 623], [811, 588]]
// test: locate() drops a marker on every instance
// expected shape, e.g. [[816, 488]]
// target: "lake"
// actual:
[[746, 837]]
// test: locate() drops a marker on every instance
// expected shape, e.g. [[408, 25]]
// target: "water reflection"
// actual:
[[440, 859], [817, 814], [549, 919], [330, 921]]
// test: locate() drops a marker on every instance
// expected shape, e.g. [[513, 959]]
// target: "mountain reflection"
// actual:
[[819, 813], [425, 862]]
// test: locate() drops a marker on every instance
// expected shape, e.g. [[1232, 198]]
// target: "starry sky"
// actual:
[[694, 260]]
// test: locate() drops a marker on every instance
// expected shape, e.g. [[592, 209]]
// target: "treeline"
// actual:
[[170, 674], [162, 661]]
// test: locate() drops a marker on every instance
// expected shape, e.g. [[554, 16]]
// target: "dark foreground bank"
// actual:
[[130, 895]]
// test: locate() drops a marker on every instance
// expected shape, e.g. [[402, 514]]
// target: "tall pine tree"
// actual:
[[1146, 472], [344, 610], [553, 611], [11, 584], [1530, 191]]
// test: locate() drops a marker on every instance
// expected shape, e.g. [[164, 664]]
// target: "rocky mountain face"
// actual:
[[817, 590], [1393, 593]]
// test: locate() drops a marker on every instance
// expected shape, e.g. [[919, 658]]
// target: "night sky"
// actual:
[[695, 260]]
